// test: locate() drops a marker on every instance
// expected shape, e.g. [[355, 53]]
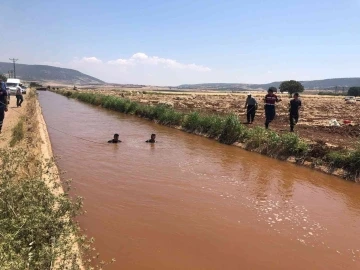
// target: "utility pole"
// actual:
[[14, 60]]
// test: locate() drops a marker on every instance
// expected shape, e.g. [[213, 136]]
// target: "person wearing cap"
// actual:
[[294, 106], [270, 100], [251, 107], [115, 140], [3, 102]]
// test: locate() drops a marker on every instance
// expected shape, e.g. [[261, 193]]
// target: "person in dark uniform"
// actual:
[[3, 102], [251, 107], [115, 140], [152, 139], [270, 100], [295, 105]]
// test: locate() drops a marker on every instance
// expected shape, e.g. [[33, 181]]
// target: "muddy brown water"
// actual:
[[188, 202]]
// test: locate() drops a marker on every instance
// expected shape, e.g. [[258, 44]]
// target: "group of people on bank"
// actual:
[[270, 101], [5, 100], [117, 140]]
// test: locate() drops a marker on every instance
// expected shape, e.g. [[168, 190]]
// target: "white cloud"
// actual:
[[140, 56], [92, 60], [143, 59], [141, 69]]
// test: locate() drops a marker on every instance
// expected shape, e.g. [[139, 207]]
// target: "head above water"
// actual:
[[116, 136], [153, 136]]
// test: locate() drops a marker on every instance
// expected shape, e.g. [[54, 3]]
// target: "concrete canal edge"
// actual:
[[47, 154]]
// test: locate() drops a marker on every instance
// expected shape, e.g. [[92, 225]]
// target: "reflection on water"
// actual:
[[191, 203]]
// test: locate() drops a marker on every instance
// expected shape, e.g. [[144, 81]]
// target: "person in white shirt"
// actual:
[[19, 96]]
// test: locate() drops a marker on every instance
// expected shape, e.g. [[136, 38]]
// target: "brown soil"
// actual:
[[314, 119]]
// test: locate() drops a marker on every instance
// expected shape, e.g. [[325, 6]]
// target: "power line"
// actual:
[[14, 60]]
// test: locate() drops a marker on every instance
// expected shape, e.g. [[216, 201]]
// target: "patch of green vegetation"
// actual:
[[347, 160], [232, 130], [192, 122], [17, 133]]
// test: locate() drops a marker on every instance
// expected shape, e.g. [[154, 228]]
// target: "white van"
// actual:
[[12, 85]]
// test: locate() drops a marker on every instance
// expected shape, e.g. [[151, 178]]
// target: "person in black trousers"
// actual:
[[270, 100], [251, 107], [295, 105], [19, 97]]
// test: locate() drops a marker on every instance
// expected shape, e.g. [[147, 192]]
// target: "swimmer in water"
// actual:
[[116, 139], [152, 139]]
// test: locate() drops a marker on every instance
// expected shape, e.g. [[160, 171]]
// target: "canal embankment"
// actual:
[[37, 229], [227, 129]]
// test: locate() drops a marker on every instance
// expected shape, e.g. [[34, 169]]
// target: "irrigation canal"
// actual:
[[188, 202]]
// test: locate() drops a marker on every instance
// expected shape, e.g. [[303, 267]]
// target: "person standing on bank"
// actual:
[[295, 105], [3, 102], [19, 97], [251, 107], [270, 112]]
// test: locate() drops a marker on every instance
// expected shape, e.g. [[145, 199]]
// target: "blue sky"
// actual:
[[175, 42]]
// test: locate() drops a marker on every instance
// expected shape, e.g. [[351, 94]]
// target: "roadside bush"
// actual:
[[209, 124], [131, 107], [171, 118], [348, 160], [263, 140], [232, 130], [217, 125], [192, 122], [157, 111], [293, 145]]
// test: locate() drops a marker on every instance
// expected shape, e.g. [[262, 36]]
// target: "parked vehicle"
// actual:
[[358, 99], [351, 100], [348, 98], [12, 85], [23, 88]]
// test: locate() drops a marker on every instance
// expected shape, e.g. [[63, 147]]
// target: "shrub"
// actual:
[[192, 122], [292, 145], [171, 118], [17, 133], [217, 125], [348, 160], [231, 131]]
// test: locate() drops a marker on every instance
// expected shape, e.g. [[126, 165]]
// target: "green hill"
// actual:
[[42, 73]]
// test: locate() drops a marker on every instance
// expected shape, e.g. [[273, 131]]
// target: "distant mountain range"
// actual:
[[327, 84], [42, 73]]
